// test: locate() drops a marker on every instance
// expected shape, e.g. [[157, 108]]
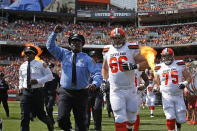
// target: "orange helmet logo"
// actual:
[[117, 32]]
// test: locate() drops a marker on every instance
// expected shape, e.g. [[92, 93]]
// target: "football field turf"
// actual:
[[147, 123]]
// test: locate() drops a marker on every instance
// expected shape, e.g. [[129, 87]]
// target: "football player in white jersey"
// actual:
[[120, 60], [172, 77], [151, 97], [141, 82]]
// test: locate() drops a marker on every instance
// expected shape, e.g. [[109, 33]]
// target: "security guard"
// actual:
[[33, 74], [95, 99], [4, 93], [50, 92], [76, 69]]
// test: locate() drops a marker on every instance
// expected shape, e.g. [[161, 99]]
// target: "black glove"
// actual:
[[154, 91], [129, 66], [141, 87], [182, 85], [104, 86]]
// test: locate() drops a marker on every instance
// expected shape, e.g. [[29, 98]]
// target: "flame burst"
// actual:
[[38, 49], [150, 55]]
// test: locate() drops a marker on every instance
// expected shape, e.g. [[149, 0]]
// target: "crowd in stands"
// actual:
[[22, 31], [162, 5]]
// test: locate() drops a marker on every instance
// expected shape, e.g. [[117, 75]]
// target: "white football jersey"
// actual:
[[115, 57], [170, 76], [150, 89]]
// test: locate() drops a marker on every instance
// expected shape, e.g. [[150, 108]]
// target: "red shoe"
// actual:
[[189, 122], [187, 119], [193, 123]]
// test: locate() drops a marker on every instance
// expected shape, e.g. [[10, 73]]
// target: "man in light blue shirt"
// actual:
[[76, 69]]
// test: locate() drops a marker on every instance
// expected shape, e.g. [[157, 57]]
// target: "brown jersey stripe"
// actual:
[[106, 50], [180, 63], [133, 47], [157, 67]]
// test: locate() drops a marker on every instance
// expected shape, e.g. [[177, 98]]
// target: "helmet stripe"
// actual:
[[117, 31]]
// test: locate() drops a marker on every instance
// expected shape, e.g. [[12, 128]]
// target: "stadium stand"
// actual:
[[22, 31]]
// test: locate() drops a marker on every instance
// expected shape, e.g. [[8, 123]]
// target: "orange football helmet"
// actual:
[[118, 37], [167, 56]]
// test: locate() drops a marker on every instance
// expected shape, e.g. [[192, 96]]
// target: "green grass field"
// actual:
[[147, 124]]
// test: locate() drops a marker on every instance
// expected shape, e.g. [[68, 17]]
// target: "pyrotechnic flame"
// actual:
[[150, 55], [38, 49]]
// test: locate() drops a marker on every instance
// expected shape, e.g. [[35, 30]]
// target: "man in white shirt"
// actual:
[[33, 74]]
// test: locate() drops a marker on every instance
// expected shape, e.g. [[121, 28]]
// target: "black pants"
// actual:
[[95, 101], [109, 109], [32, 102], [75, 100], [4, 100], [49, 101]]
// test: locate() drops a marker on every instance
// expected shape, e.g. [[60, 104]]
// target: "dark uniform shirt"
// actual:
[[52, 85], [3, 86]]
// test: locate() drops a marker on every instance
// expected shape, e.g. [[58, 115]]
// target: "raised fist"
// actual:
[[58, 29]]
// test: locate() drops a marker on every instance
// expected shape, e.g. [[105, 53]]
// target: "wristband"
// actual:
[[185, 83], [138, 66]]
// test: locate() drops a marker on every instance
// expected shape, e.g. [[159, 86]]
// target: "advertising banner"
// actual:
[[56, 6], [113, 14]]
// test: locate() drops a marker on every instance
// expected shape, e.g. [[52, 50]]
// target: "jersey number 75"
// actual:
[[174, 74]]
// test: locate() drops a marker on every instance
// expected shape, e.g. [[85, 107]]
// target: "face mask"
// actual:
[[118, 43], [168, 62]]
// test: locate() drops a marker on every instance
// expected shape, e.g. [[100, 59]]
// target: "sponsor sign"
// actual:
[[113, 14]]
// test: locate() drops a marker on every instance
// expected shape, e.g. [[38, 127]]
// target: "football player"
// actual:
[[169, 76], [141, 82], [120, 60], [151, 97]]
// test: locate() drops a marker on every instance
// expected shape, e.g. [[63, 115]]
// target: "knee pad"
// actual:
[[169, 112], [181, 113], [120, 116], [116, 103], [181, 117], [132, 117], [132, 105]]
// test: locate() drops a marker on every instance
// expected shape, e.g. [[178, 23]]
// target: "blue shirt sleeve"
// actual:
[[55, 50], [95, 71]]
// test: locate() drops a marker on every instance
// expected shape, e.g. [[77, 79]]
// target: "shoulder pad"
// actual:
[[157, 67], [180, 63], [44, 65], [133, 46]]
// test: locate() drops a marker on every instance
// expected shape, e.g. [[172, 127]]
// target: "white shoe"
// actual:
[[151, 115], [91, 118]]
